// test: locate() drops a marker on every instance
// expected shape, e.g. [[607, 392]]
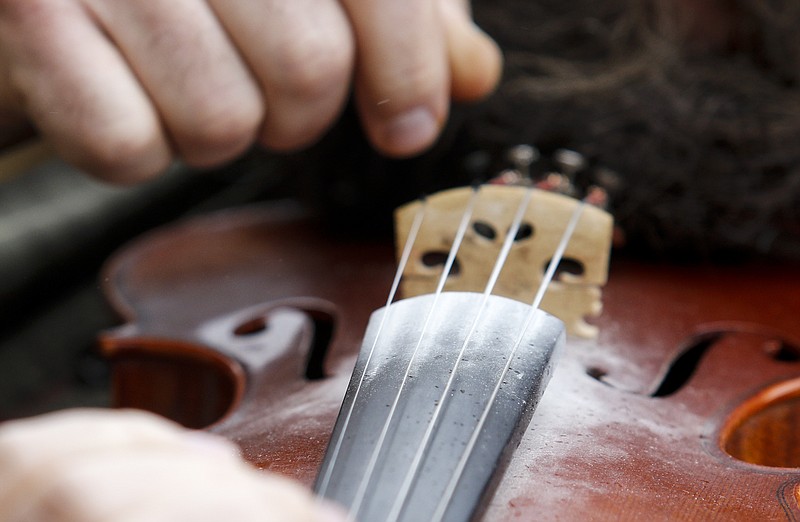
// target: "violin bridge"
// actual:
[[575, 293]]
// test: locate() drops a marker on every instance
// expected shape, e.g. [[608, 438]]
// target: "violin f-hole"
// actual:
[[782, 351], [683, 367], [323, 323]]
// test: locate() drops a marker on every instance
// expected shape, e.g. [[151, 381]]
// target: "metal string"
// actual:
[[558, 255], [355, 507], [410, 240], [546, 280], [500, 262]]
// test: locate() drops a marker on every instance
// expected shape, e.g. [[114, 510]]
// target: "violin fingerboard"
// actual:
[[441, 393]]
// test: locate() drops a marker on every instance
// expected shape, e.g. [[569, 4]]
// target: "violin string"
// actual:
[[500, 262], [410, 241], [355, 507], [546, 280], [558, 255]]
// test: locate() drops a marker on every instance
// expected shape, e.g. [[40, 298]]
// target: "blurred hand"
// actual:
[[129, 466], [120, 87]]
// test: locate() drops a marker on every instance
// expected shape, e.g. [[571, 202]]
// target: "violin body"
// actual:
[[686, 406]]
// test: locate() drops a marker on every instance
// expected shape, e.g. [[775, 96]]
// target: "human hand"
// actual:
[[131, 466], [120, 87]]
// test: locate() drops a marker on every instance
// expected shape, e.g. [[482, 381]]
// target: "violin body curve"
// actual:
[[248, 323]]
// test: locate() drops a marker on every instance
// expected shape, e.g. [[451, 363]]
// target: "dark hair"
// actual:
[[706, 136]]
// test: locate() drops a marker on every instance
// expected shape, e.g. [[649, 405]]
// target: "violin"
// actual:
[[683, 403]]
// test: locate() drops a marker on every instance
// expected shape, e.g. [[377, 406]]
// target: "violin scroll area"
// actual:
[[575, 292]]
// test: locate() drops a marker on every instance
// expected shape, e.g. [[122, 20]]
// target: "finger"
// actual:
[[63, 433], [301, 51], [34, 449], [402, 76], [204, 92], [157, 484], [131, 466], [475, 59], [76, 88]]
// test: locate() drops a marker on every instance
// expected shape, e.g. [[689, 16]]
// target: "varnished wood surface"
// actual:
[[601, 446]]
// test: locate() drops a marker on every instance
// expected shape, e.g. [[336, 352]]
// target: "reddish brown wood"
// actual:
[[600, 447]]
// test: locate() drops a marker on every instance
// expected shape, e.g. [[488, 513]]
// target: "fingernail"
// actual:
[[410, 132]]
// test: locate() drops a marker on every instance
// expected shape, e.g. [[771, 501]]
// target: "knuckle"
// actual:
[[123, 154], [220, 127], [295, 124], [310, 66], [117, 152]]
